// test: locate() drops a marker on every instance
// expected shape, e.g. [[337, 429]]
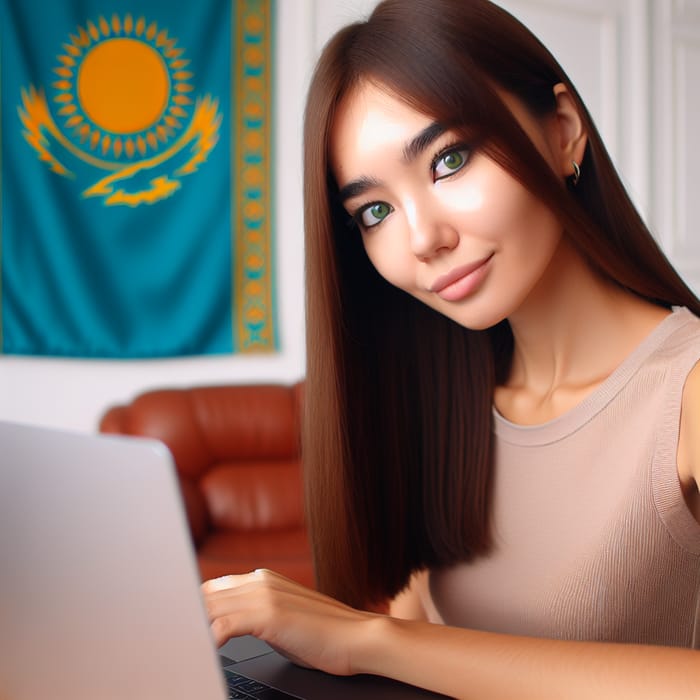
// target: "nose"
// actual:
[[429, 232]]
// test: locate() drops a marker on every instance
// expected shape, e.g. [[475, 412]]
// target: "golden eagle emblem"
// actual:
[[123, 103]]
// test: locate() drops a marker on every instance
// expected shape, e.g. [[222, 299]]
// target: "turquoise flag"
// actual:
[[136, 214]]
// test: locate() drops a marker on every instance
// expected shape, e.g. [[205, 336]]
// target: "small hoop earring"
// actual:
[[577, 172]]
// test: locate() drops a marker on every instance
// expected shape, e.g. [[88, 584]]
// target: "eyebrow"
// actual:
[[411, 151], [421, 141]]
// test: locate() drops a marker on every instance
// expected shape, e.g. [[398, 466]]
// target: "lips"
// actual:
[[441, 284]]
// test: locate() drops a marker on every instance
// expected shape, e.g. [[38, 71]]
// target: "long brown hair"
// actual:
[[398, 433]]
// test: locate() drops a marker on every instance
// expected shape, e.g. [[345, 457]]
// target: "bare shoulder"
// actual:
[[689, 441]]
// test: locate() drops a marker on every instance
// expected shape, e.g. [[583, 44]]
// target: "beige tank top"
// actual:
[[593, 539]]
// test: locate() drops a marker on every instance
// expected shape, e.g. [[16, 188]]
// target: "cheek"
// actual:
[[463, 199], [530, 228], [504, 215], [390, 256], [494, 204]]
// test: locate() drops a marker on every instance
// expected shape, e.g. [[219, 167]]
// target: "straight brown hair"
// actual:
[[398, 445]]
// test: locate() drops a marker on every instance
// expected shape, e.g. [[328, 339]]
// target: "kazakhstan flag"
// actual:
[[136, 177]]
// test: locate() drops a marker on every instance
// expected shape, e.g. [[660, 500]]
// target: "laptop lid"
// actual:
[[99, 591], [99, 588]]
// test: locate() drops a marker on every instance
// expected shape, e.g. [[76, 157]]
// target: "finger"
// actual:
[[233, 580], [229, 581], [262, 578]]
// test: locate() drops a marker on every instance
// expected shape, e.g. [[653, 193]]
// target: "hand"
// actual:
[[307, 627]]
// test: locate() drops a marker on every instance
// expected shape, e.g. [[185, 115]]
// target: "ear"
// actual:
[[570, 137]]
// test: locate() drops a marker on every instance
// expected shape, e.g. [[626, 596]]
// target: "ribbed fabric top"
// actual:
[[593, 539]]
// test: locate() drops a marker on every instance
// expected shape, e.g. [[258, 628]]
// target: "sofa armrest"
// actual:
[[114, 420], [119, 420]]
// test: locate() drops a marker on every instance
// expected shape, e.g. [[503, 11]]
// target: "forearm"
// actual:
[[475, 665]]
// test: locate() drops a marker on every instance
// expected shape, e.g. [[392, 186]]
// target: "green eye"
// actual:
[[453, 160], [374, 214], [449, 163]]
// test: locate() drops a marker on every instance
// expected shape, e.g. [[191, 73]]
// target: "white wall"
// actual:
[[636, 64], [675, 75]]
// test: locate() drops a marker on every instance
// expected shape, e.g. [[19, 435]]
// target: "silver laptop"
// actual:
[[99, 589]]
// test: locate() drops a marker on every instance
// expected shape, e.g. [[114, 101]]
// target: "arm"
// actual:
[[471, 665], [314, 630], [689, 442], [408, 604], [415, 602]]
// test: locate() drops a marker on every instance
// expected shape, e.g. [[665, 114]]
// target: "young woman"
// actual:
[[503, 390]]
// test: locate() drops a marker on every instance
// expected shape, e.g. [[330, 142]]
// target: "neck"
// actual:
[[572, 331]]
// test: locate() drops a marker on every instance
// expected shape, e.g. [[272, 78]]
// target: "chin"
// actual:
[[475, 320]]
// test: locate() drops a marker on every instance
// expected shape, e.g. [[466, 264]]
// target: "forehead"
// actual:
[[370, 121], [372, 125]]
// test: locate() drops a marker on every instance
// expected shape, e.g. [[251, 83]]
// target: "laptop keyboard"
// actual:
[[242, 688]]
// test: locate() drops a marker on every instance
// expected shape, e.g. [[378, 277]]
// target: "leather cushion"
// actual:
[[255, 495]]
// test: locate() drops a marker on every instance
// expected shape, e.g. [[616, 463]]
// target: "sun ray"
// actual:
[[84, 39], [93, 31]]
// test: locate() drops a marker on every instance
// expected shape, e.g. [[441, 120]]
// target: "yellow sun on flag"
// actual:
[[123, 87], [123, 102]]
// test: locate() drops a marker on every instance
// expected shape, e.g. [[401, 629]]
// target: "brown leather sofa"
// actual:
[[237, 453]]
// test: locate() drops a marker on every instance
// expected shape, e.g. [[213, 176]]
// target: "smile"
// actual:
[[462, 281]]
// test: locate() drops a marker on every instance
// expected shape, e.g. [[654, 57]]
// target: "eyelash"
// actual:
[[456, 147]]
